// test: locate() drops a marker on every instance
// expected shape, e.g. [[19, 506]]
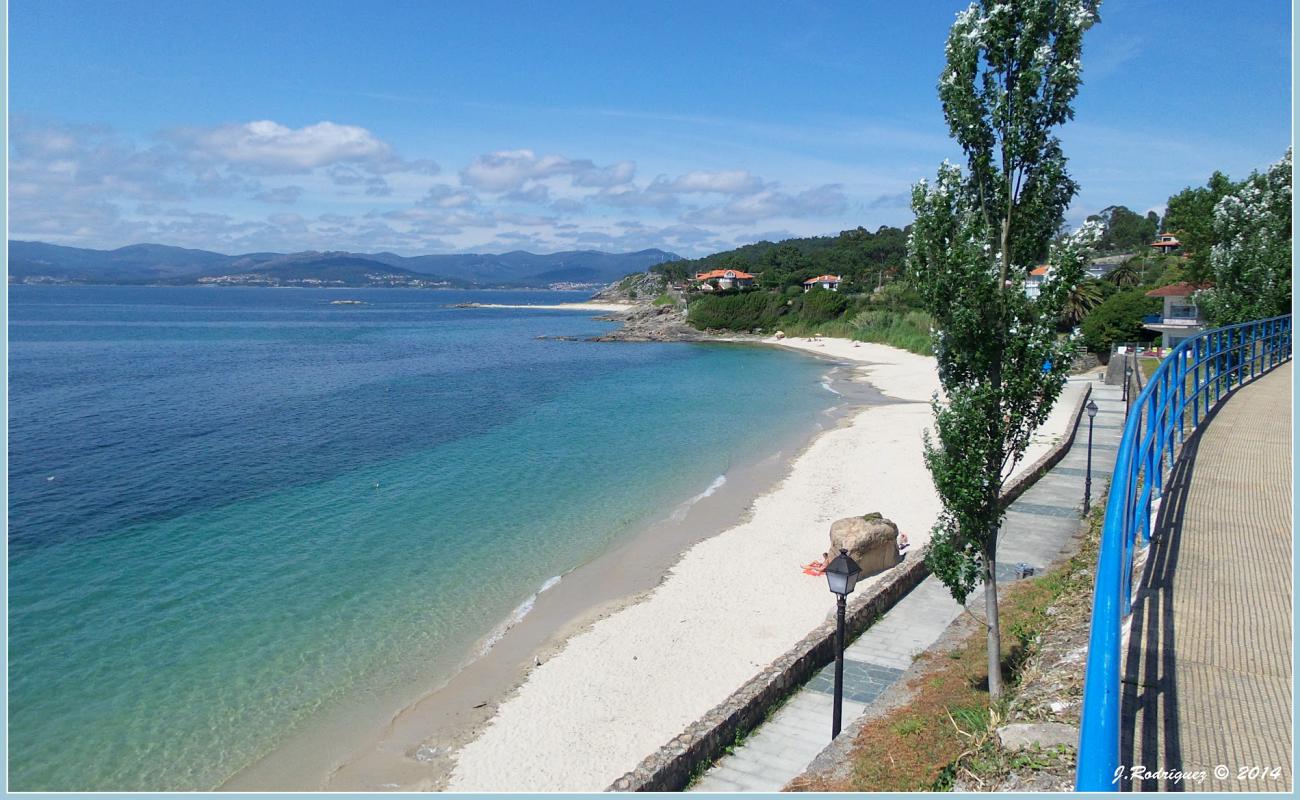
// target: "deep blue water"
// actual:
[[231, 509]]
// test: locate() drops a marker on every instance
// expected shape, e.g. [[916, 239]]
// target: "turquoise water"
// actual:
[[233, 510]]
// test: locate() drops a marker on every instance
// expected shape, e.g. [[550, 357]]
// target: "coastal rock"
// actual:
[[779, 334], [871, 540], [650, 323]]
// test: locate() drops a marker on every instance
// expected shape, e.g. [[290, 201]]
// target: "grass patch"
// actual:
[[908, 331], [947, 730], [664, 299]]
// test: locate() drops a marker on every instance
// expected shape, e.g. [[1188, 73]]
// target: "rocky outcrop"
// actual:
[[871, 540], [649, 323], [639, 287]]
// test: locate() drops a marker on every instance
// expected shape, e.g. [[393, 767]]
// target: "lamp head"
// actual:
[[1092, 409], [842, 573]]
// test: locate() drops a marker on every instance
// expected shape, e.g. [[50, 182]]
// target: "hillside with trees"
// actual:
[[1236, 236]]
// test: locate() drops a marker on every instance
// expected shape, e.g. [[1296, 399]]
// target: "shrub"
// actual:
[[821, 305], [743, 311], [1119, 319]]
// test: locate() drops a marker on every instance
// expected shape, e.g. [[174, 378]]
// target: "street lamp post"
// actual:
[[1128, 378], [842, 575], [1087, 481]]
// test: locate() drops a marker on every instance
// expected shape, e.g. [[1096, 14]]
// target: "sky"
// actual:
[[434, 127]]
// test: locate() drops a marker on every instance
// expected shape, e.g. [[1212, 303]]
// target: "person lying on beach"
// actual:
[[816, 567]]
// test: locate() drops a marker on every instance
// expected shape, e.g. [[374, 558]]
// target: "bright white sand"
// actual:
[[631, 681]]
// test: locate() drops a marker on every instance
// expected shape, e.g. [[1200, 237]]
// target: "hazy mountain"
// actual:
[[134, 263], [153, 263]]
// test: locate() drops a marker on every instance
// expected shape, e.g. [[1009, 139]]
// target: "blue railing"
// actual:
[[1187, 385]]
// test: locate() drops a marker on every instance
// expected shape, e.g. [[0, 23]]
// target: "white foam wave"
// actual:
[[826, 384], [515, 617], [717, 484]]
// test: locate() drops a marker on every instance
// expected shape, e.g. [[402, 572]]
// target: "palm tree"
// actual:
[[1084, 297], [1126, 274]]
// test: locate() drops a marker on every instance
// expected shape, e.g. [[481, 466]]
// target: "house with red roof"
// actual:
[[1179, 318], [1034, 280], [831, 282], [724, 279], [1166, 243]]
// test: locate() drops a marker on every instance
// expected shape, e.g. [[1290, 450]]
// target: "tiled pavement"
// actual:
[[1208, 675], [1037, 526]]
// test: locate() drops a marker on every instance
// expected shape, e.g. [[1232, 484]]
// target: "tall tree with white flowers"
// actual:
[[1012, 72], [1251, 256]]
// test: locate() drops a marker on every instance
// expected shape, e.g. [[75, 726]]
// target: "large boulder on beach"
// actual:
[[871, 540]]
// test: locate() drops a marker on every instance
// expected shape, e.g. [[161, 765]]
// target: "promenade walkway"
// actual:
[[1208, 671], [1038, 525]]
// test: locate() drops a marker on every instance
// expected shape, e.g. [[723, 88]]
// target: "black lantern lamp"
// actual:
[[842, 576]]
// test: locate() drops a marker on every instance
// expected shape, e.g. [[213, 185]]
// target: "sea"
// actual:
[[232, 510]]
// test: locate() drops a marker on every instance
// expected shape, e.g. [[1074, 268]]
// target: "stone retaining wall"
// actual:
[[1030, 475], [671, 767]]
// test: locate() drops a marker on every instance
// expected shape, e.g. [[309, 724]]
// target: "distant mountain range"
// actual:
[[38, 262]]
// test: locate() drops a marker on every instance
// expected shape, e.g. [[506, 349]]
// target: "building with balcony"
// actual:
[[1179, 318], [1166, 243]]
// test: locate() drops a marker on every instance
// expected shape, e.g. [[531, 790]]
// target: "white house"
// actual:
[[1034, 280], [1180, 318], [831, 282], [724, 279]]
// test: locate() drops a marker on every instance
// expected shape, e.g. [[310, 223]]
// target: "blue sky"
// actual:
[[422, 127]]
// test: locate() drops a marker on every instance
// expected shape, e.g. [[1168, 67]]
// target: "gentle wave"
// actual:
[[680, 513], [515, 617], [826, 384]]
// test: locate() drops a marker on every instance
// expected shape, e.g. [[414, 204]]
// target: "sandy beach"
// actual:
[[627, 683]]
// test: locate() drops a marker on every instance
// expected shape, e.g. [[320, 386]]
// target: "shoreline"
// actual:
[[577, 724], [410, 743], [534, 712]]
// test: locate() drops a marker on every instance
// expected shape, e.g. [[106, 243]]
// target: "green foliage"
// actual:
[[1128, 274], [1190, 216], [864, 259], [737, 311], [1012, 71], [1251, 257], [1119, 319], [664, 299], [820, 305], [1126, 231], [1083, 298], [906, 330]]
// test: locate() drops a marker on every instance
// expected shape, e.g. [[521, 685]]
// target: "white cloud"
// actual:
[[443, 196], [275, 148], [510, 170], [826, 200], [702, 181]]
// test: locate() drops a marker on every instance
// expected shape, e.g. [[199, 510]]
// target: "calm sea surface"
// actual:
[[233, 509]]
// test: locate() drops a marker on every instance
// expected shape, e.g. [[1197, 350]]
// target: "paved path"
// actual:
[[1037, 526], [1208, 673]]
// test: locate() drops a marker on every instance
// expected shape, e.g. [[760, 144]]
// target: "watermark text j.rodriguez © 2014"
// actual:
[[1223, 772]]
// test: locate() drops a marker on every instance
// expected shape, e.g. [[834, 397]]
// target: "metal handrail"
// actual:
[[1196, 375]]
